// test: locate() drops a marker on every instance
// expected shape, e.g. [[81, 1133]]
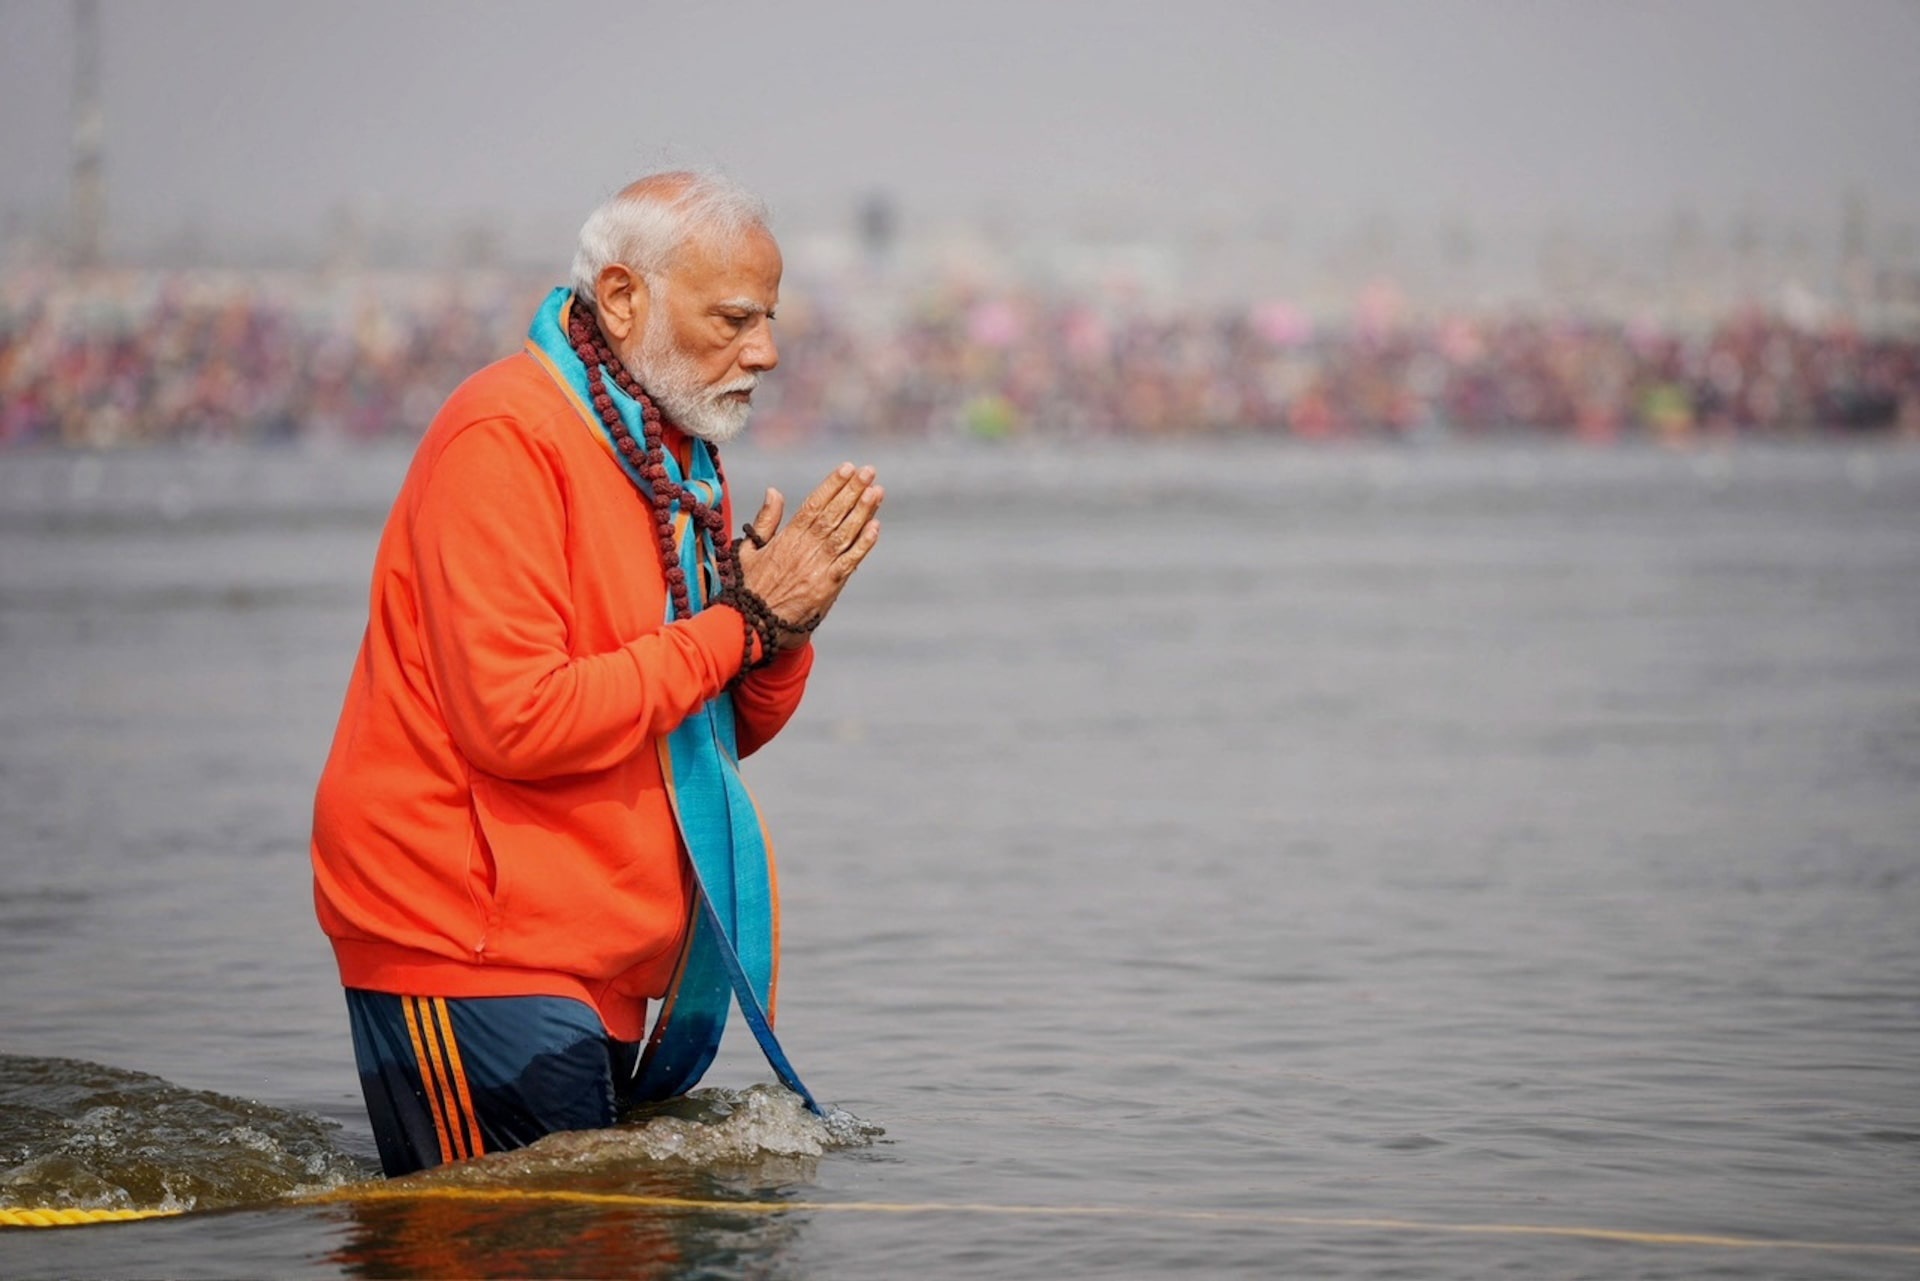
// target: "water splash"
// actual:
[[728, 1127], [762, 1130], [84, 1136]]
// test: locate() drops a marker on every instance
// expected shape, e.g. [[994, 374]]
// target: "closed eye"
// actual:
[[739, 312]]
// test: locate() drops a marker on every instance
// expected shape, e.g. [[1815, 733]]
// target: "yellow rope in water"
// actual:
[[22, 1217], [369, 1192]]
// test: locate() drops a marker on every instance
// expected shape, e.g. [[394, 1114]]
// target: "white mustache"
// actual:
[[739, 384]]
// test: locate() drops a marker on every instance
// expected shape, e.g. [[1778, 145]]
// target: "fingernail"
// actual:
[[845, 470]]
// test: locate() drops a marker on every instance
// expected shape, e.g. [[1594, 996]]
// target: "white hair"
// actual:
[[645, 230]]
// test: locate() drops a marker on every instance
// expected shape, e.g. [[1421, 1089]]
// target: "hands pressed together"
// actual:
[[800, 570]]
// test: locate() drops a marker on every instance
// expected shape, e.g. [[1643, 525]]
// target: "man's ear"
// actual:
[[621, 298]]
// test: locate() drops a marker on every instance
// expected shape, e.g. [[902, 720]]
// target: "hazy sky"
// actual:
[[257, 121]]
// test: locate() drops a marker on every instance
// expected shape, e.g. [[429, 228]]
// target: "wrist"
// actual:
[[764, 635]]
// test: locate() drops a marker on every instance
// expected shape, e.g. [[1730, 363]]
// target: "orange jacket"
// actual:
[[492, 819]]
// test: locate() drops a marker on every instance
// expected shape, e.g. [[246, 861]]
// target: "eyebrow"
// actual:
[[748, 305]]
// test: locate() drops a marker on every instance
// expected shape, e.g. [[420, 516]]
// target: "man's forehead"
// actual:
[[746, 262]]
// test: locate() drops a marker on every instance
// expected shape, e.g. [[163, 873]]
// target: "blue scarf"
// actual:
[[731, 952]]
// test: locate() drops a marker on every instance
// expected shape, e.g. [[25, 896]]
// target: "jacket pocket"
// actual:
[[576, 885], [486, 870]]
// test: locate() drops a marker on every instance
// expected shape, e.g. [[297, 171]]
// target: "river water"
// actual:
[[1245, 861]]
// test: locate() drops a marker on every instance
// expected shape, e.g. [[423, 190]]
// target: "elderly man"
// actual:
[[531, 822]]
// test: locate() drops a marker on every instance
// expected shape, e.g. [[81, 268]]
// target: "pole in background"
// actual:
[[88, 195]]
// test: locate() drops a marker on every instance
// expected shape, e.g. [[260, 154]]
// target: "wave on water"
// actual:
[[78, 1135], [763, 1130]]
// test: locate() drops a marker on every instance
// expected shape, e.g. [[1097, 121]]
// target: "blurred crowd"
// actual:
[[143, 357]]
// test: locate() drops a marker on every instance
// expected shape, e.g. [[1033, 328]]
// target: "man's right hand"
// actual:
[[802, 569]]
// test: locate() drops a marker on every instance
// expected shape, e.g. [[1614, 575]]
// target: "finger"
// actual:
[[767, 523], [843, 502], [856, 519], [823, 493], [849, 560]]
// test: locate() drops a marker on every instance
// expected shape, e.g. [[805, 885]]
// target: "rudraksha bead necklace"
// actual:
[[649, 460]]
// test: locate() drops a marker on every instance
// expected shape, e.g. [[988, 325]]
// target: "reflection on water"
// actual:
[[516, 1238]]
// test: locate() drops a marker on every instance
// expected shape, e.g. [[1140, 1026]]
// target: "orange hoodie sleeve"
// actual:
[[489, 540], [765, 701]]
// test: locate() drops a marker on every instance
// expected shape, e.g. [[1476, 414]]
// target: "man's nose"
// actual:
[[760, 354]]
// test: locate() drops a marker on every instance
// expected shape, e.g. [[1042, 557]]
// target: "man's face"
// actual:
[[708, 335]]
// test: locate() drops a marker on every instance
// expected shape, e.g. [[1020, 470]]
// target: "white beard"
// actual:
[[669, 376]]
